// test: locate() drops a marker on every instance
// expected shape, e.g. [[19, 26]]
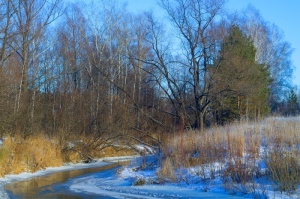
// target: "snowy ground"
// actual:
[[124, 185]]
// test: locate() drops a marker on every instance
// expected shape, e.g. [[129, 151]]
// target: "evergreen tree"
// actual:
[[245, 81], [292, 104]]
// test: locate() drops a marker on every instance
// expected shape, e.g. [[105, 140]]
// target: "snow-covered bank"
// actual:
[[244, 160], [123, 184], [135, 182], [122, 188], [24, 176]]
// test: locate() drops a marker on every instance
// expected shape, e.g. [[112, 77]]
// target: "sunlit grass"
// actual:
[[239, 147], [38, 152]]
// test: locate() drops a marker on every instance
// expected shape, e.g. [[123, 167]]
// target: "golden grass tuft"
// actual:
[[239, 146], [167, 171], [115, 151], [38, 152], [29, 155], [284, 168]]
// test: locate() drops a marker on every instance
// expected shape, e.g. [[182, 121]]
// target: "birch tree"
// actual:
[[271, 50], [31, 19]]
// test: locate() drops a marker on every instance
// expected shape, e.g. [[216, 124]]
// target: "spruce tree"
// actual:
[[245, 82]]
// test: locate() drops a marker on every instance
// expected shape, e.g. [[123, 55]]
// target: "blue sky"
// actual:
[[284, 14]]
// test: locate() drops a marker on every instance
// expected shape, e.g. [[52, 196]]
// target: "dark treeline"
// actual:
[[101, 70]]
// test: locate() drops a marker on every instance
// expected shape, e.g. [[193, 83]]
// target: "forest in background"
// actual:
[[99, 71]]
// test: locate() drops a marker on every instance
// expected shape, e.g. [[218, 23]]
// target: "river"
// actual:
[[101, 182], [55, 185]]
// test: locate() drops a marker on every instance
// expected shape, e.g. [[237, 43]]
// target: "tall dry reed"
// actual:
[[239, 146]]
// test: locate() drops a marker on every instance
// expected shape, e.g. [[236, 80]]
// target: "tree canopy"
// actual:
[[101, 71]]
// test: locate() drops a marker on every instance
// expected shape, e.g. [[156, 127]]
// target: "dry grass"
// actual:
[[167, 170], [283, 157], [29, 155], [115, 151], [38, 152], [284, 168], [239, 146]]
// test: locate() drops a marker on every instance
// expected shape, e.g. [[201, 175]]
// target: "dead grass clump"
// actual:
[[236, 145], [243, 151], [240, 171], [82, 152], [139, 182], [212, 147], [284, 168], [46, 153], [114, 151], [217, 144], [194, 148], [71, 156], [283, 155], [167, 171], [282, 130], [85, 147], [30, 155], [239, 146], [253, 145], [3, 159]]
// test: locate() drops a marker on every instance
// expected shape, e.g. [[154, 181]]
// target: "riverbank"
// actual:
[[24, 176], [108, 182]]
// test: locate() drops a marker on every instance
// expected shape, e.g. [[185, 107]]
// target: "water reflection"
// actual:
[[51, 185]]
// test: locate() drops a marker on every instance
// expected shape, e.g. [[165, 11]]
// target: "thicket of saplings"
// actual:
[[236, 152]]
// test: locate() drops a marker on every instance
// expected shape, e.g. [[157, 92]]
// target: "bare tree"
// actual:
[[31, 18], [192, 21], [6, 20]]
